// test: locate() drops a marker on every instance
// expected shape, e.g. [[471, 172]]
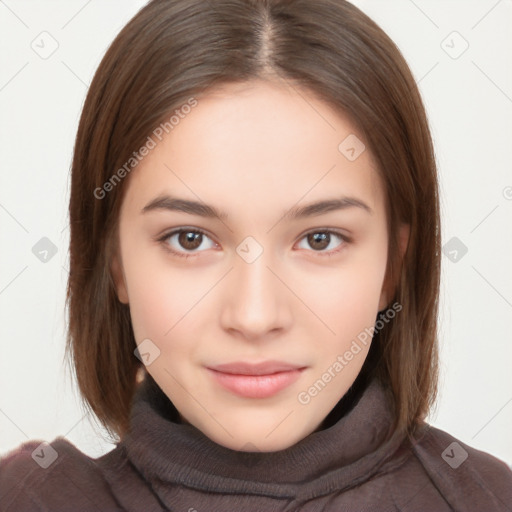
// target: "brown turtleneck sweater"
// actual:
[[351, 464]]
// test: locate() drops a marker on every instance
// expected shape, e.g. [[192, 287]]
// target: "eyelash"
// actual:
[[163, 239]]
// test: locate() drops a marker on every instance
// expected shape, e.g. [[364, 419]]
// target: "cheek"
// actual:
[[163, 300], [346, 299]]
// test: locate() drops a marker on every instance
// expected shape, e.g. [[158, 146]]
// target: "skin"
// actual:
[[254, 150]]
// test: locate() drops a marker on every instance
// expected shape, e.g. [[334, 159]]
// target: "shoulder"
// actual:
[[468, 479], [38, 475]]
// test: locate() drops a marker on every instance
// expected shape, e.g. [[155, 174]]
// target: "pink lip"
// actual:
[[256, 381]]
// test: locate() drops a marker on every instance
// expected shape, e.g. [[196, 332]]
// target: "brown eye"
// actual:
[[186, 242], [319, 241], [190, 240]]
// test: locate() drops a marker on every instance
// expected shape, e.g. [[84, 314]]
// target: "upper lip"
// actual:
[[263, 368]]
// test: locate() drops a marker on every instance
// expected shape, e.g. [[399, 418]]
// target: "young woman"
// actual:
[[254, 275]]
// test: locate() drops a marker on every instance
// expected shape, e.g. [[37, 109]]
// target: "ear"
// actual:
[[387, 290], [116, 269]]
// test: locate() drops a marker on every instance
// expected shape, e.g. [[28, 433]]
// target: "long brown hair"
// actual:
[[175, 50]]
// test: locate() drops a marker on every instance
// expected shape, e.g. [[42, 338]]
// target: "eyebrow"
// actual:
[[170, 203]]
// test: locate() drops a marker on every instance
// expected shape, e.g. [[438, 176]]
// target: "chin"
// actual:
[[256, 437]]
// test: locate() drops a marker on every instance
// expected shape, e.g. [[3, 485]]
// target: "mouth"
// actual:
[[256, 381]]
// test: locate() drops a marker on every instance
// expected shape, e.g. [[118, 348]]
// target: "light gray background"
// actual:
[[468, 98]]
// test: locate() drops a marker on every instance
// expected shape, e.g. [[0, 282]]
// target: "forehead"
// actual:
[[259, 144]]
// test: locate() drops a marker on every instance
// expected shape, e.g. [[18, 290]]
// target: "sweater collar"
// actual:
[[345, 453]]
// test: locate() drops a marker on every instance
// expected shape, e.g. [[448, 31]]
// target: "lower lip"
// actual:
[[256, 386]]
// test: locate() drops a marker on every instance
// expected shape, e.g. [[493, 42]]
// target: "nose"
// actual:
[[255, 301]]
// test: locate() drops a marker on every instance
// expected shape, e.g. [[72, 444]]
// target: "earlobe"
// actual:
[[119, 280]]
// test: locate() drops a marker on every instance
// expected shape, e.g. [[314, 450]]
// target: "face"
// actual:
[[246, 272]]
